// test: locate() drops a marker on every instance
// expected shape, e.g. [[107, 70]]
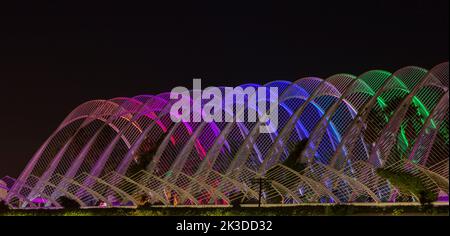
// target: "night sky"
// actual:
[[54, 57]]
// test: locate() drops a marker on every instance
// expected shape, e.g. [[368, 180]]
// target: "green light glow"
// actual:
[[404, 140], [381, 102], [422, 109]]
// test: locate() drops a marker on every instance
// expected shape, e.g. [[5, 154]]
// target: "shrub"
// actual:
[[236, 202], [397, 212], [145, 205], [3, 206], [407, 182], [427, 197], [68, 203], [144, 157]]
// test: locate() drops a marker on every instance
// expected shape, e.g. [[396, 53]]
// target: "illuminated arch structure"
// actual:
[[351, 126]]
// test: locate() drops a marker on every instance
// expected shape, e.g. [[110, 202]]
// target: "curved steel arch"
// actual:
[[213, 163]]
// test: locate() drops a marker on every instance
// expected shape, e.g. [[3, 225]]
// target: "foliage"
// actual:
[[292, 161], [304, 210], [144, 201], [145, 205], [145, 155], [380, 115], [142, 161], [427, 196], [374, 120], [68, 203], [397, 212], [407, 182], [236, 202], [3, 206]]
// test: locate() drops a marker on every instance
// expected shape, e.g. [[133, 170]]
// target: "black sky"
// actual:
[[54, 57]]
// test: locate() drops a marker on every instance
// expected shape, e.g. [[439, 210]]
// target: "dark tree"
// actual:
[[293, 160], [68, 203], [145, 155], [3, 206], [407, 182]]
